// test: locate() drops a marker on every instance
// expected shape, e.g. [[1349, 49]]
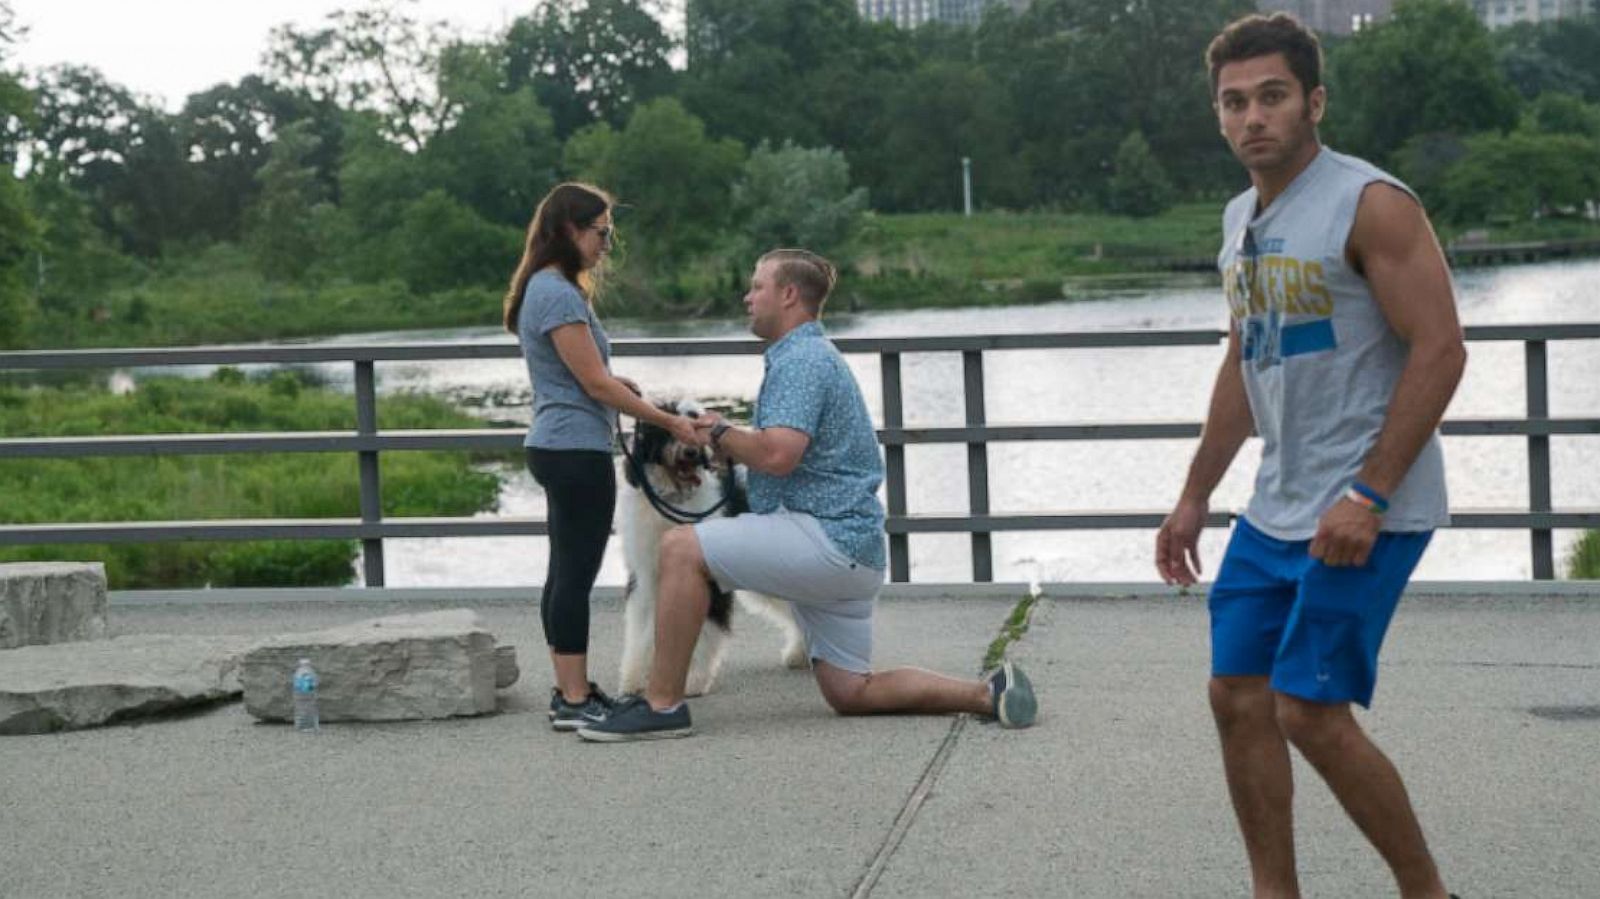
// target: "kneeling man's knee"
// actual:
[[681, 548], [843, 691]]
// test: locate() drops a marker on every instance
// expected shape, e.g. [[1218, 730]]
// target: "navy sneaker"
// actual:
[[633, 719], [1014, 703], [573, 715]]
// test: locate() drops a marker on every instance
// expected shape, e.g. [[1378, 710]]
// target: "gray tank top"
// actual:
[[1320, 362], [564, 417]]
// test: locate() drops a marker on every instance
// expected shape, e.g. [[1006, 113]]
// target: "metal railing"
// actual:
[[976, 433]]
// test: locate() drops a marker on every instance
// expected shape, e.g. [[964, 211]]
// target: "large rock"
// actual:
[[75, 685], [51, 602], [432, 665]]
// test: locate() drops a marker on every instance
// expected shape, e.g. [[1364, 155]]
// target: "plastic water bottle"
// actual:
[[306, 718]]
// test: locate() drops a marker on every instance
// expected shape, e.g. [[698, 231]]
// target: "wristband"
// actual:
[[1367, 498], [717, 430]]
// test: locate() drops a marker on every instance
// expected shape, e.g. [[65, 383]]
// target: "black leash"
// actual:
[[669, 511]]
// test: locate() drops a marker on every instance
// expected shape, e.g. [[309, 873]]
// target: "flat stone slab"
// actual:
[[51, 602], [404, 667], [85, 684]]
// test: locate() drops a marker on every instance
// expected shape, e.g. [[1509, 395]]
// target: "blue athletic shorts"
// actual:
[[1315, 629]]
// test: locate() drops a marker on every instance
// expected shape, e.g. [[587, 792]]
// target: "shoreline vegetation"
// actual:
[[897, 262], [216, 295], [282, 485]]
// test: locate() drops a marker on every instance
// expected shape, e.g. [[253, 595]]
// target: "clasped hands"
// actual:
[[695, 431]]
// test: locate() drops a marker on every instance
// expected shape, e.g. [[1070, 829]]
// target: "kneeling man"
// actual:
[[814, 535]]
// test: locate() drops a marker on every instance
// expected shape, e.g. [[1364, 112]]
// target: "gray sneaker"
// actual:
[[1014, 703], [633, 719], [570, 716]]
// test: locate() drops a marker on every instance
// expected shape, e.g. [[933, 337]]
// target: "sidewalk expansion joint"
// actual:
[[1011, 631]]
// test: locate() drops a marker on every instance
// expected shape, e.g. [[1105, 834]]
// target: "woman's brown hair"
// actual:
[[549, 243]]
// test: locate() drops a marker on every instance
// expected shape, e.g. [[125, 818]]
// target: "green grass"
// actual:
[[168, 488], [997, 258], [1584, 564], [217, 296], [1016, 624]]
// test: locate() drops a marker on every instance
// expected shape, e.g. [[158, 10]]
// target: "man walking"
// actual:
[[814, 535], [1343, 352]]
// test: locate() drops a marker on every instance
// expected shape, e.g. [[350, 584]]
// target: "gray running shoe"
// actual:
[[633, 719], [573, 715], [1014, 703]]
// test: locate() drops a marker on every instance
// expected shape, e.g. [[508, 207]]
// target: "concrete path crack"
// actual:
[[1011, 631]]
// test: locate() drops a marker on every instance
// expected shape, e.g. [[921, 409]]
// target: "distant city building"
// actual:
[[1500, 13], [1332, 16], [911, 13]]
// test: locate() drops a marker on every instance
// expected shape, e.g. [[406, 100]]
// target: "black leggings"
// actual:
[[581, 491]]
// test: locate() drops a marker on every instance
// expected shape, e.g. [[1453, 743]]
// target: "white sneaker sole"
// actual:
[[600, 736]]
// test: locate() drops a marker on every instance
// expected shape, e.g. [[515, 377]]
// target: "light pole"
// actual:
[[966, 185]]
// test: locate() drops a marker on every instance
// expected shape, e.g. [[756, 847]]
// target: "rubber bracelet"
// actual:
[[1363, 501], [1379, 501]]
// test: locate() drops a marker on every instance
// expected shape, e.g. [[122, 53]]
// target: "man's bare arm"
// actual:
[[1394, 248], [1228, 424]]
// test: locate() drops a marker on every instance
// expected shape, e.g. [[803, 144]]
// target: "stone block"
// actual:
[[69, 686], [51, 602], [403, 667], [506, 671]]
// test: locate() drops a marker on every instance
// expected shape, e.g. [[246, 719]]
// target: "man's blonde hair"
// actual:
[[808, 272]]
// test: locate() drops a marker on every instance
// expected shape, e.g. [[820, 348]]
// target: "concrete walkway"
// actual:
[[1490, 707]]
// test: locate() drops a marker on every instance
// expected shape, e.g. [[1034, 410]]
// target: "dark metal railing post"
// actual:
[[977, 465], [1538, 384], [894, 459], [371, 495]]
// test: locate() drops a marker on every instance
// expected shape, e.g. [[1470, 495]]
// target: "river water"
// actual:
[[1053, 386]]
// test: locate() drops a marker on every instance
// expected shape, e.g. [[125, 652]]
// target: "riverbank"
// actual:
[[896, 262], [204, 487]]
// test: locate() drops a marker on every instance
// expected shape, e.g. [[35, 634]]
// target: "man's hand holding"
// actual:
[[1345, 535]]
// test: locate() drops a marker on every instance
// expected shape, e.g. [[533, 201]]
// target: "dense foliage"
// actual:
[[384, 162], [166, 488]]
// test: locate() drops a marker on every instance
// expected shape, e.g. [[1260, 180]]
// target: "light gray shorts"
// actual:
[[787, 555]]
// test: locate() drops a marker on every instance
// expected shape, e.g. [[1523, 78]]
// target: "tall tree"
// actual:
[[1430, 68], [672, 180], [377, 59], [280, 233], [797, 197], [120, 151], [227, 132], [1561, 56], [590, 60], [938, 115], [500, 153], [18, 231]]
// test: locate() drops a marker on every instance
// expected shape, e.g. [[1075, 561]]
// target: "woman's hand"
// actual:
[[683, 429]]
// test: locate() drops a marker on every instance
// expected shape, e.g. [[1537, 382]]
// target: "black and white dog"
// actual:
[[685, 480]]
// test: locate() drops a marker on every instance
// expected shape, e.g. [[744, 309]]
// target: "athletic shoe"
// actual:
[[556, 699], [1014, 703], [633, 719], [573, 715]]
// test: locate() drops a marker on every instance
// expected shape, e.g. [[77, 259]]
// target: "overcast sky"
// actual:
[[172, 48]]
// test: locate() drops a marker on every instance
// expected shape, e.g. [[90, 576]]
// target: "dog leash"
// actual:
[[669, 511]]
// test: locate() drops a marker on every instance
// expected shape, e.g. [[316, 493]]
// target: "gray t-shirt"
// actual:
[[564, 417], [1319, 360]]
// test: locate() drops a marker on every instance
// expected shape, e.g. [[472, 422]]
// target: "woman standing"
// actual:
[[550, 307]]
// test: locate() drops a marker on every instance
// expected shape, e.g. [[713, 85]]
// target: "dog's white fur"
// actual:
[[642, 528]]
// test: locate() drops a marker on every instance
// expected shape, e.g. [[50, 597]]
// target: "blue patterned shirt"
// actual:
[[808, 387]]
